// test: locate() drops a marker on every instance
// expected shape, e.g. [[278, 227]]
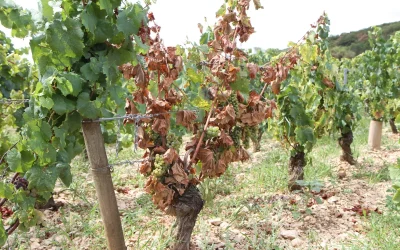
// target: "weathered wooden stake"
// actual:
[[104, 187]]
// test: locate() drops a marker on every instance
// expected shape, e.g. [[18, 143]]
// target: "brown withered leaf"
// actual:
[[243, 154], [140, 77], [253, 69], [276, 87], [225, 138], [170, 156], [227, 156], [143, 139], [177, 176], [186, 118], [145, 168], [226, 116], [159, 150], [128, 70], [130, 107], [171, 53], [173, 97], [254, 98], [162, 196], [257, 4], [166, 83], [160, 126], [139, 96], [328, 83], [206, 156], [159, 106], [178, 63], [200, 28], [229, 17], [268, 74], [232, 73], [174, 74], [252, 118]]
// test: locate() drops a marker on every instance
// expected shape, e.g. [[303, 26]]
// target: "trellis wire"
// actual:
[[10, 101], [136, 118]]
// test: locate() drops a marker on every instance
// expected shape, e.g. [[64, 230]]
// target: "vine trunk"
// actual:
[[345, 143], [296, 170], [393, 126], [186, 209]]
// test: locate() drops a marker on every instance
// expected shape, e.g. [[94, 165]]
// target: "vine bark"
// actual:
[[186, 208], [296, 170]]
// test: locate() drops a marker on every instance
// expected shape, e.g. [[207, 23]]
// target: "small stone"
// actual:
[[341, 173], [243, 210], [296, 242], [215, 222], [310, 220], [333, 199], [225, 225], [238, 238], [240, 177], [219, 245], [289, 234]]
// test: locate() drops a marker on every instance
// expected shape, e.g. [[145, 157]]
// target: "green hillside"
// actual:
[[353, 43]]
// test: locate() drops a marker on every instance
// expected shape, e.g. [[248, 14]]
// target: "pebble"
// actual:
[[215, 222], [296, 242], [289, 234]]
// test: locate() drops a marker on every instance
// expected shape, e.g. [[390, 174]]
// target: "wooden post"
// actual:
[[375, 135], [104, 187]]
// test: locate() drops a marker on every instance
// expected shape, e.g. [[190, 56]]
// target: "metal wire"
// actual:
[[10, 101]]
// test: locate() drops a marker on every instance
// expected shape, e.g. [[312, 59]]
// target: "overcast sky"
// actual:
[[277, 24]]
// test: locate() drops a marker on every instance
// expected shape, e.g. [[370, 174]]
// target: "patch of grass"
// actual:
[[382, 232], [373, 176]]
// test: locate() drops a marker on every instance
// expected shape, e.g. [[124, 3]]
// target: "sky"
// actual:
[[276, 25]]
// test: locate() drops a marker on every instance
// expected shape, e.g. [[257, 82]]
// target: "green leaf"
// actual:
[[299, 115], [241, 84], [89, 17], [13, 159], [221, 11], [104, 30], [65, 173], [45, 130], [46, 102], [3, 234], [90, 71], [64, 86], [130, 19], [201, 103], [396, 197], [66, 38], [140, 47], [6, 190], [304, 135], [109, 5], [47, 10], [194, 76], [27, 159], [86, 107], [74, 83], [62, 104], [73, 122], [42, 179]]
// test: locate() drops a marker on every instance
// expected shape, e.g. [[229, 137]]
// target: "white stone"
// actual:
[[215, 222], [289, 234], [296, 242]]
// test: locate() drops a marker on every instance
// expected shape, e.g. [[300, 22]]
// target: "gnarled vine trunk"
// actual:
[[296, 170], [186, 208], [345, 143], [257, 144], [393, 126]]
